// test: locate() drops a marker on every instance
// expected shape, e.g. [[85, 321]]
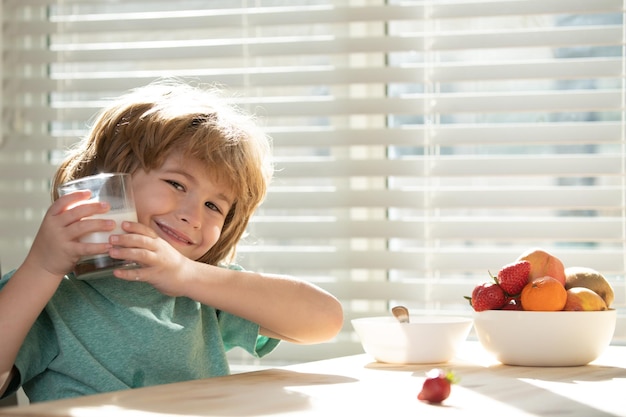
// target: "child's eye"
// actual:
[[212, 206], [175, 185]]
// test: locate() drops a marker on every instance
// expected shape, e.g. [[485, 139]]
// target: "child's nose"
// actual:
[[190, 214]]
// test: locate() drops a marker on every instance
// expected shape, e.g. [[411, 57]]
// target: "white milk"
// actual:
[[118, 217]]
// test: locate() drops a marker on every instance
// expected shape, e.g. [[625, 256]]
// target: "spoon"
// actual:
[[401, 313]]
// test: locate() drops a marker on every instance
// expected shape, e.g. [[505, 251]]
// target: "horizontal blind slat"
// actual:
[[301, 15], [296, 75], [590, 229], [549, 101], [321, 44], [595, 165], [488, 166], [419, 263], [481, 229], [441, 135], [458, 134], [573, 198]]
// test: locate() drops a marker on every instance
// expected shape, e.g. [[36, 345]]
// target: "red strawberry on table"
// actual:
[[513, 277], [437, 386], [488, 296], [512, 304]]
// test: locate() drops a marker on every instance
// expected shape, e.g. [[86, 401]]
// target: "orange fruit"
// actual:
[[543, 294]]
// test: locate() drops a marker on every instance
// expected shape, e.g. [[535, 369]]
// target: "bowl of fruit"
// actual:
[[536, 312], [421, 340]]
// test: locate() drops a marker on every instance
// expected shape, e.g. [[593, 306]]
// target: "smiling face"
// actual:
[[137, 133], [183, 204]]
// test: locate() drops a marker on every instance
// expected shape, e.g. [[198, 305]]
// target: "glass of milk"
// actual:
[[114, 188]]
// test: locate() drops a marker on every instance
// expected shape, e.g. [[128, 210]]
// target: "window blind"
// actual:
[[419, 144]]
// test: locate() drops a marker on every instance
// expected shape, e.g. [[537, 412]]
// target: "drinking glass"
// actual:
[[114, 188]]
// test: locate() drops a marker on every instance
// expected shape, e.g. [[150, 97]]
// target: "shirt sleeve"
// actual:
[[5, 278], [238, 332], [14, 385], [38, 350]]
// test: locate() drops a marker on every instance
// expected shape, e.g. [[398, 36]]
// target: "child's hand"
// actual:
[[161, 264], [56, 247]]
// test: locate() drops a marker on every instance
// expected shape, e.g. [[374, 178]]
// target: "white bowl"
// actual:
[[426, 339], [545, 338]]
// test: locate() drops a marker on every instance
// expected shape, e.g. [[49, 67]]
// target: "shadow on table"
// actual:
[[571, 374], [275, 392], [525, 388], [532, 388]]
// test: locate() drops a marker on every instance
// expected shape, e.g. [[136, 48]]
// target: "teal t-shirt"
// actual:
[[109, 334]]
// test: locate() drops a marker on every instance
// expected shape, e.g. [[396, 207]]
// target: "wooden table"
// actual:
[[357, 386]]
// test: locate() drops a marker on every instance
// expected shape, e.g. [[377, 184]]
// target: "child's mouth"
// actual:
[[174, 235]]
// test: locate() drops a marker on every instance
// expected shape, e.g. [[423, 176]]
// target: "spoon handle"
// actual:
[[401, 313]]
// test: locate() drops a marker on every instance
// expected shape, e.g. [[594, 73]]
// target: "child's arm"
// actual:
[[284, 307], [21, 301], [54, 252]]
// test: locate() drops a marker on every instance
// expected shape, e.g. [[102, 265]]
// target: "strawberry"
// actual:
[[487, 296], [437, 386], [513, 277], [512, 304]]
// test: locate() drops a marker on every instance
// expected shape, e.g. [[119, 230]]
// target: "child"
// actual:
[[199, 170]]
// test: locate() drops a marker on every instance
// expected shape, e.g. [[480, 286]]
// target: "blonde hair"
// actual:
[[142, 128]]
